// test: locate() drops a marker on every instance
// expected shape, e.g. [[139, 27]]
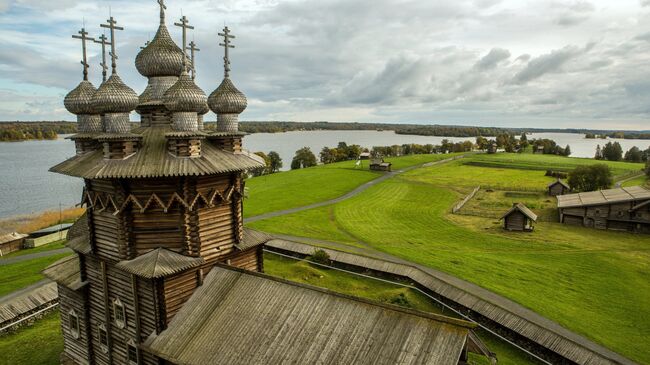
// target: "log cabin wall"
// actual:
[[516, 221], [248, 260], [177, 290], [76, 347], [106, 227], [154, 227], [152, 116]]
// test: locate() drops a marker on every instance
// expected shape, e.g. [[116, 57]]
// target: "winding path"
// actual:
[[348, 195]]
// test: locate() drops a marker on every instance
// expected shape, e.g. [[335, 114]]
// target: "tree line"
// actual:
[[21, 131], [612, 151]]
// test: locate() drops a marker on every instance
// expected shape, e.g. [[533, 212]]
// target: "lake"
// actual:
[[26, 186]]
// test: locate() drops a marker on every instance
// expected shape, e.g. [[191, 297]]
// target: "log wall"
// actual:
[[77, 349]]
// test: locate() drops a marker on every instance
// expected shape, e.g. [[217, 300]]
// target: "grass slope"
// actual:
[[28, 251], [302, 187], [593, 282], [39, 344], [21, 274]]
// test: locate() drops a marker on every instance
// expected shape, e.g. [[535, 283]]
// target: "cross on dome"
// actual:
[[185, 24], [84, 37], [112, 25], [104, 42], [226, 45], [193, 49]]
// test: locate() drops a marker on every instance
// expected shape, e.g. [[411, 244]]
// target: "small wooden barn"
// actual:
[[364, 156], [558, 187], [622, 209], [519, 218], [380, 165], [11, 242]]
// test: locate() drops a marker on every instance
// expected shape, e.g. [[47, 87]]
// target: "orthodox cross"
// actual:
[[185, 24], [84, 37], [226, 45], [163, 7], [103, 41], [112, 25], [193, 49]]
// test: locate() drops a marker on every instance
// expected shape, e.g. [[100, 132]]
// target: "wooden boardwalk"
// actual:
[[20, 304], [522, 321]]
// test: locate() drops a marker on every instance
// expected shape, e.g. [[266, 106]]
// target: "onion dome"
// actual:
[[80, 99], [185, 96], [227, 99], [113, 96], [206, 109], [161, 57]]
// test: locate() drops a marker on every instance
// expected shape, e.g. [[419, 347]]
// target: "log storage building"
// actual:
[[558, 187], [519, 218], [626, 209], [163, 207]]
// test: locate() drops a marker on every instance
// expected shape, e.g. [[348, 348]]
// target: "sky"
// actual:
[[543, 64]]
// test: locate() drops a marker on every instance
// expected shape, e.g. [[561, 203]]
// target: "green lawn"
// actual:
[[641, 180], [549, 162], [493, 203], [21, 274], [51, 246], [595, 283], [302, 187], [39, 344]]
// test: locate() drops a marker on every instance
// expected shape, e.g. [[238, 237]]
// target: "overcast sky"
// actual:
[[482, 62]]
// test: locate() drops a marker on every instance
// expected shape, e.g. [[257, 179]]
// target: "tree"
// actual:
[[634, 154], [482, 143], [275, 162], [613, 151], [523, 137], [303, 158], [590, 178], [567, 150], [599, 153]]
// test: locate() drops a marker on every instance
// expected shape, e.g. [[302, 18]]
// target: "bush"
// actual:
[[321, 257], [401, 300], [591, 178]]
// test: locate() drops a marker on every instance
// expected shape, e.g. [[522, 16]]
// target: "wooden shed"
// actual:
[[519, 218], [11, 242], [364, 156], [380, 165], [558, 187]]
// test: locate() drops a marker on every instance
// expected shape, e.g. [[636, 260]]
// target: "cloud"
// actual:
[[574, 13], [493, 58], [645, 2], [546, 63]]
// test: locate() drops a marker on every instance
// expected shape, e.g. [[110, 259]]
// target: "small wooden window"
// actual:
[[119, 313], [132, 353], [73, 323], [103, 338]]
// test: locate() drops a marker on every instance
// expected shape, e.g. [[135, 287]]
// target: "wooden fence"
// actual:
[[460, 205]]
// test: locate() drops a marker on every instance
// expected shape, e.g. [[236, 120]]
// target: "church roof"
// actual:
[[239, 317], [153, 160], [78, 238], [253, 238], [227, 99], [65, 272], [159, 263], [185, 96], [114, 96], [161, 57], [80, 99]]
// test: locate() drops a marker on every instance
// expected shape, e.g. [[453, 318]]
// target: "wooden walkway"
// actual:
[[21, 303], [522, 321]]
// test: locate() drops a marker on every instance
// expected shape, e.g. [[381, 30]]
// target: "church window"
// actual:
[[119, 312], [73, 323]]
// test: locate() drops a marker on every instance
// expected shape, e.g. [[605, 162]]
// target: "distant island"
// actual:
[[43, 130]]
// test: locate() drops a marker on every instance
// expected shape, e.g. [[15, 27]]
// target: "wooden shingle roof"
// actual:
[[153, 160], [78, 237], [559, 181], [523, 209], [603, 197], [238, 317], [253, 238], [159, 263], [65, 272], [11, 237]]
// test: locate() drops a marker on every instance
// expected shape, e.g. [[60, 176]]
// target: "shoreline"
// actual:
[[26, 223]]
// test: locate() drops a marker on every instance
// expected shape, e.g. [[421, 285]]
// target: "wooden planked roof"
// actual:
[[11, 237], [78, 237], [240, 317], [65, 272], [603, 197], [153, 160], [522, 208], [559, 181], [159, 263], [253, 238]]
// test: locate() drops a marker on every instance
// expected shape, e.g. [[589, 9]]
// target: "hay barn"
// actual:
[[380, 165], [558, 187], [11, 242], [519, 218], [622, 209]]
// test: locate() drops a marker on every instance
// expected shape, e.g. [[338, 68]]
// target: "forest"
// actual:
[[23, 131]]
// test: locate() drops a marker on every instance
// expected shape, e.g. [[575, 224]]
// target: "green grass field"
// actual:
[[21, 274], [641, 180], [549, 162], [51, 246], [301, 187], [39, 344], [593, 282], [493, 203]]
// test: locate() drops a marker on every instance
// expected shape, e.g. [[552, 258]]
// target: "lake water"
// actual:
[[26, 186]]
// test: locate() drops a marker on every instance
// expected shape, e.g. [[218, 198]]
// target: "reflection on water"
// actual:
[[26, 186]]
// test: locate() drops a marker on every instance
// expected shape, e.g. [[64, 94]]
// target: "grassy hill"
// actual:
[[596, 283]]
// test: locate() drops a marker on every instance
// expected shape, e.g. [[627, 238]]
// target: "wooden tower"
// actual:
[[164, 202]]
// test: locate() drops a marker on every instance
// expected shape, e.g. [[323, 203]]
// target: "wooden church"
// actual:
[[164, 271]]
